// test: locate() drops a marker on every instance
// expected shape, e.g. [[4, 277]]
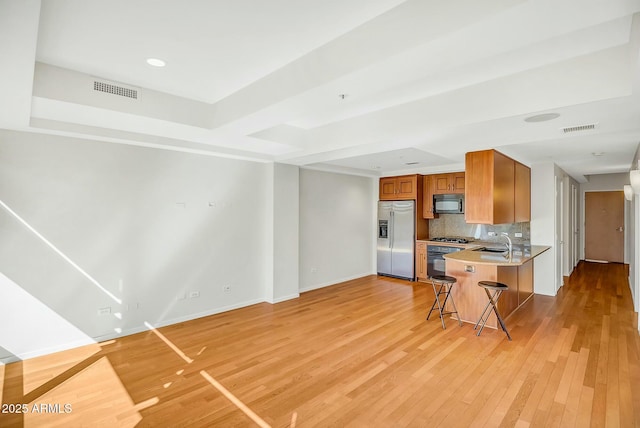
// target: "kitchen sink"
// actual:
[[491, 250]]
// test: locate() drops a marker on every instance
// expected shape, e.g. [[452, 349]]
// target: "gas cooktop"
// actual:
[[454, 239]]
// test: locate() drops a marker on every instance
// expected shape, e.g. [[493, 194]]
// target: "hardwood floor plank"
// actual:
[[356, 354], [572, 400]]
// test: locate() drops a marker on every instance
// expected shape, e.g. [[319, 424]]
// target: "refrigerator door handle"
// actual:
[[391, 230]]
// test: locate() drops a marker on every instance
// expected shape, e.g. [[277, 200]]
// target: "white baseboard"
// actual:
[[6, 359], [164, 323], [283, 298], [335, 281]]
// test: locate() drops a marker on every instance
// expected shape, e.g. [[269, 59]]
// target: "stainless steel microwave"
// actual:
[[448, 204]]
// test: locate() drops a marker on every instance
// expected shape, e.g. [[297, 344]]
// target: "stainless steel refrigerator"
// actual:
[[396, 238]]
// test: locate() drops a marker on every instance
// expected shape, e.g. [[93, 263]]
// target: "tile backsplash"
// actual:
[[454, 225]]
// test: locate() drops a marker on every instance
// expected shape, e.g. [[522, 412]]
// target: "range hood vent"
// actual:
[[579, 128], [110, 88]]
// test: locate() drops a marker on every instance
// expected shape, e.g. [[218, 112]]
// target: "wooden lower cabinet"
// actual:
[[525, 282], [508, 301], [466, 294], [421, 260], [470, 299]]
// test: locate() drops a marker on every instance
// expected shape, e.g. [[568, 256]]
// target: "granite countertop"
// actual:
[[472, 244], [519, 255]]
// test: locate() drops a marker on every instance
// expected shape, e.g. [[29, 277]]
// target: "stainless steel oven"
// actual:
[[436, 260]]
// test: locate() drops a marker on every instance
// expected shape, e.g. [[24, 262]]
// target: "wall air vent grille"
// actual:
[[579, 128], [115, 90]]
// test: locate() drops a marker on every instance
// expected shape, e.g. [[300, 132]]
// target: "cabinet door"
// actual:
[[406, 187], [387, 188], [503, 189], [421, 260], [478, 193], [490, 188], [427, 201], [469, 298], [441, 184], [457, 182], [522, 193], [508, 301], [525, 281]]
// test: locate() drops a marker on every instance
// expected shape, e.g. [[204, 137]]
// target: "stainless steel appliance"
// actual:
[[452, 239], [396, 238], [436, 260], [448, 204]]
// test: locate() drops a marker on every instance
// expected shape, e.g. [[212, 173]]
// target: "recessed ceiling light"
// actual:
[[542, 117], [597, 154], [156, 62]]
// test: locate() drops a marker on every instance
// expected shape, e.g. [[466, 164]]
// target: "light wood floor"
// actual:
[[357, 354]]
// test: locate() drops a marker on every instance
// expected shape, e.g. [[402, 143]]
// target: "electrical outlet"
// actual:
[[491, 233], [104, 311], [226, 288], [194, 294], [518, 235]]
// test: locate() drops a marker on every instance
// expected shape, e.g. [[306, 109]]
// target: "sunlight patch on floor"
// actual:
[[105, 401], [37, 371], [237, 402], [169, 343]]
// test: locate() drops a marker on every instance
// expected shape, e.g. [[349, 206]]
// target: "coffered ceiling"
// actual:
[[372, 87]]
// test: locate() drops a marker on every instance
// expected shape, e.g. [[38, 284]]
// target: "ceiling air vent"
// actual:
[[579, 128], [115, 89]]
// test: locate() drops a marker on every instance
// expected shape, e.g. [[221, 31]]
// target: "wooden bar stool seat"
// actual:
[[497, 288], [442, 285]]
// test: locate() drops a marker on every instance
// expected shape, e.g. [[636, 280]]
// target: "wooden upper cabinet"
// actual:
[[448, 183], [387, 188], [440, 183], [399, 188], [522, 193], [407, 186], [457, 182], [427, 203], [491, 196], [503, 189]]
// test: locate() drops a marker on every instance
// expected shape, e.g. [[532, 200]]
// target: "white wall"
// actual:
[[84, 220], [337, 228], [633, 233], [543, 226], [286, 211]]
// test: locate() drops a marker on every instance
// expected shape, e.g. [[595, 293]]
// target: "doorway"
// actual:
[[604, 226]]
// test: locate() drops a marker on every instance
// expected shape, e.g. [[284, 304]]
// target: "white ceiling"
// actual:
[[425, 80]]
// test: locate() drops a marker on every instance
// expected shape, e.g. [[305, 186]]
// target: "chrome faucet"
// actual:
[[510, 244]]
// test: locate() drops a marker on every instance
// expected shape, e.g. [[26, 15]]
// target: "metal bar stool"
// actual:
[[445, 284], [497, 288]]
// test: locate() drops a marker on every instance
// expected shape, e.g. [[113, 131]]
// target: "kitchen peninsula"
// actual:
[[473, 265]]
